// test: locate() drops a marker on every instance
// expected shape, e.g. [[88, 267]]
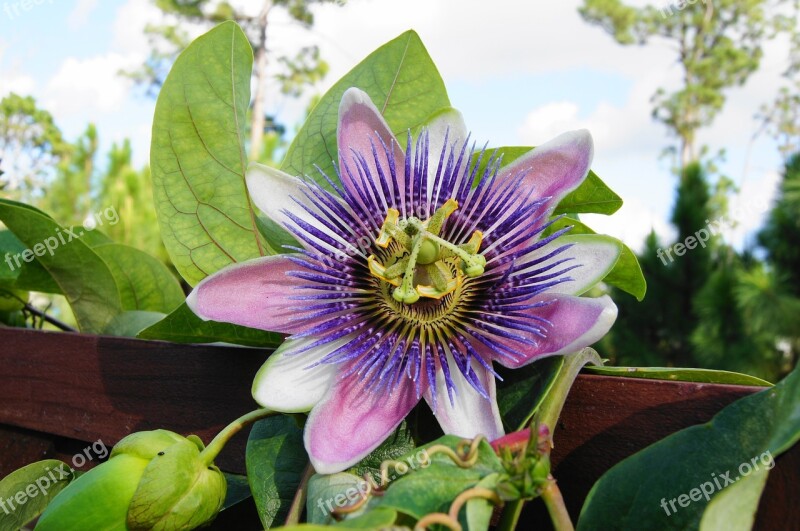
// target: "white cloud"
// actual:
[[19, 83], [631, 224], [89, 86], [79, 15]]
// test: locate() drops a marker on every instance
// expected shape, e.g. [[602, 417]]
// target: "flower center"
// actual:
[[421, 262]]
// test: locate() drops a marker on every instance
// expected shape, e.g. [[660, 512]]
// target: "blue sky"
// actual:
[[520, 72]]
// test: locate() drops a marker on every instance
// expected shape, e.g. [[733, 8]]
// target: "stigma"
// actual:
[[424, 264]]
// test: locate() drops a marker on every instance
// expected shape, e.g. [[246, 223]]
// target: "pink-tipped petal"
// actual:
[[577, 322], [361, 126], [352, 420], [470, 414], [287, 382], [255, 293], [556, 167]]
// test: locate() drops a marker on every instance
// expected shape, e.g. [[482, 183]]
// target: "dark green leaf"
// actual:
[[523, 389], [238, 490], [401, 80], [198, 156], [751, 432], [183, 326], [25, 493], [81, 274], [276, 461], [398, 444], [681, 375]]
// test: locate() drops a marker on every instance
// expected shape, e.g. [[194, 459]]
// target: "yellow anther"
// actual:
[[385, 236]]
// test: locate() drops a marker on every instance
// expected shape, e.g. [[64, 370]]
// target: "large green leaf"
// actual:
[[401, 80], [144, 283], [680, 375], [25, 493], [276, 461], [592, 196], [627, 273], [184, 326], [734, 509], [746, 436], [198, 156], [80, 273]]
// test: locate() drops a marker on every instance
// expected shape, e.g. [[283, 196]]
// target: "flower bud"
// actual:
[[152, 480]]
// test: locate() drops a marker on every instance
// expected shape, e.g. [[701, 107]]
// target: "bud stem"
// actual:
[[215, 446]]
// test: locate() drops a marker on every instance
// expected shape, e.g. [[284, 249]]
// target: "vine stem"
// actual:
[[296, 509], [551, 495], [215, 446], [510, 517]]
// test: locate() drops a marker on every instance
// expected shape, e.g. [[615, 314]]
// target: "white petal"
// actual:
[[595, 254], [447, 122], [471, 414], [285, 383], [276, 193]]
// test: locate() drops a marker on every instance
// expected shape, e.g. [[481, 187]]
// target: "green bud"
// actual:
[[152, 480], [541, 470]]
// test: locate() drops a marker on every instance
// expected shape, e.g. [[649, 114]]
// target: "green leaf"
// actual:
[[681, 375], [184, 326], [331, 491], [16, 273], [129, 324], [743, 438], [80, 273], [198, 156], [627, 273], [522, 390], [379, 518], [734, 509], [238, 490], [398, 444], [478, 513], [25, 493], [276, 462], [144, 283], [592, 196], [432, 488], [401, 80], [275, 235]]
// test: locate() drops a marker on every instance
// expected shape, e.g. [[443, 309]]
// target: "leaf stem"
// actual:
[[296, 509], [554, 501], [215, 446], [510, 518]]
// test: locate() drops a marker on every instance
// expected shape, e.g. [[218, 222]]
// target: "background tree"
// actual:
[[292, 73], [30, 146], [718, 45]]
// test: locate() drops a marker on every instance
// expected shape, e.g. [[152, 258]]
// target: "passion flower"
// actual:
[[419, 269]]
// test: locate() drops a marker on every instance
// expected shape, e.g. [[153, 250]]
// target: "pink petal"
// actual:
[[360, 126], [551, 170], [253, 293], [352, 420], [471, 414], [577, 322]]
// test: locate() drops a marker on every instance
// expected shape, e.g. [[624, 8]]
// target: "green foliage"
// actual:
[[758, 427], [198, 156], [183, 326], [401, 80], [45, 479], [276, 462]]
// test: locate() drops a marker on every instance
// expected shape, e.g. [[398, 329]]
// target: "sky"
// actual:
[[520, 72]]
